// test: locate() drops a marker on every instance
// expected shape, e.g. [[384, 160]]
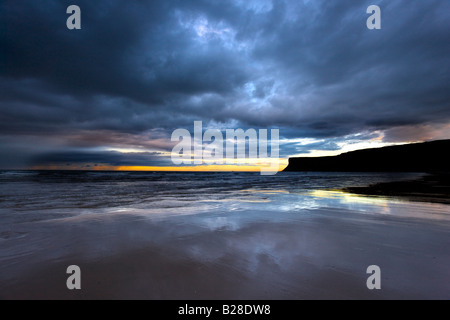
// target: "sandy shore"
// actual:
[[321, 254]]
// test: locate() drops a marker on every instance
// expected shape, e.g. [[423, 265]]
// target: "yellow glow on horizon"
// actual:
[[199, 168]]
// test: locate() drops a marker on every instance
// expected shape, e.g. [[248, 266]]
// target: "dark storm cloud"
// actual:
[[129, 60], [340, 77], [311, 68], [110, 158], [125, 49]]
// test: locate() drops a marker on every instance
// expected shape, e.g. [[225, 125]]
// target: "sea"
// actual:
[[192, 235]]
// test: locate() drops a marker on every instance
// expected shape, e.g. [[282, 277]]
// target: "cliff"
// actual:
[[431, 156]]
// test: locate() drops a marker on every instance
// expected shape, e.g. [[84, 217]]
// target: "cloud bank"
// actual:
[[138, 70]]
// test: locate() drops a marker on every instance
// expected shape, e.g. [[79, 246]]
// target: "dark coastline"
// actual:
[[430, 188], [418, 157], [430, 158]]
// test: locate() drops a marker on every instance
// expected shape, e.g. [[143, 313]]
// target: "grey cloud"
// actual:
[[110, 158], [310, 68]]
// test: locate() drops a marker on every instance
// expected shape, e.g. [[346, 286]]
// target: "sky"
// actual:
[[109, 96]]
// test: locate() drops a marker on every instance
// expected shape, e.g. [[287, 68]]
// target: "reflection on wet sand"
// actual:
[[255, 242], [321, 251]]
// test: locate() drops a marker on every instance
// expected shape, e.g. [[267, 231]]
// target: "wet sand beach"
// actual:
[[263, 242]]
